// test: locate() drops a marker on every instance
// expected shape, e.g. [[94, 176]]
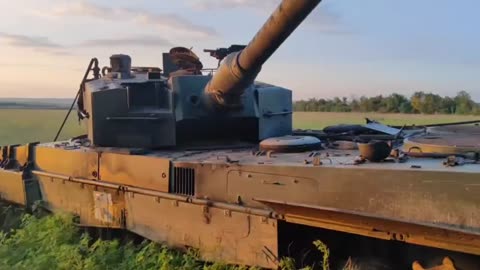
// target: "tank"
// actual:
[[208, 159]]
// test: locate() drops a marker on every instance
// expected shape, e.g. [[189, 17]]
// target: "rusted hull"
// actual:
[[12, 188], [437, 236], [222, 232], [218, 234], [230, 212], [95, 206]]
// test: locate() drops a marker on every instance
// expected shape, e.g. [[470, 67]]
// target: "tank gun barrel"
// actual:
[[240, 69]]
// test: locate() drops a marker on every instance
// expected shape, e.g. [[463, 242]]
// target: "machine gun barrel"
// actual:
[[240, 69]]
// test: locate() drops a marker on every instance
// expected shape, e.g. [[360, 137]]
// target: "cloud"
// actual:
[[28, 41], [166, 21], [45, 45], [133, 41], [227, 4], [38, 43], [323, 18]]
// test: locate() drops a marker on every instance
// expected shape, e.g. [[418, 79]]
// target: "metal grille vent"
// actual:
[[183, 181]]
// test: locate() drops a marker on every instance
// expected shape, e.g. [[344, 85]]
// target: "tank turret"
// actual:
[[142, 107], [240, 69]]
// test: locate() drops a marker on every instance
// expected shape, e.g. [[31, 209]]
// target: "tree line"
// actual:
[[419, 102]]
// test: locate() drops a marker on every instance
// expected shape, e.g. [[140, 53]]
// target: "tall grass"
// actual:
[[55, 242], [42, 242]]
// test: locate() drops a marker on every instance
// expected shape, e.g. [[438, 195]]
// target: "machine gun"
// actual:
[[221, 53]]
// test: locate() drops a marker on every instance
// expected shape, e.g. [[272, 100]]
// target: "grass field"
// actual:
[[317, 120], [22, 126]]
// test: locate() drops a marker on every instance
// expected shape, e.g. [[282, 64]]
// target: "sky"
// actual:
[[344, 48]]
